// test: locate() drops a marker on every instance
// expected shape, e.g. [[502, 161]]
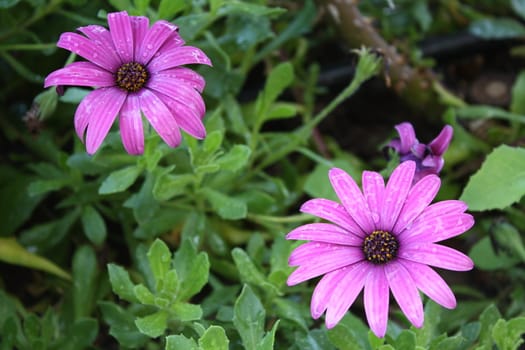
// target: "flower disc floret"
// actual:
[[380, 247], [132, 76]]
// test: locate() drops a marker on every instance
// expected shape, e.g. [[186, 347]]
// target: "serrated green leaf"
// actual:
[[122, 325], [288, 309], [119, 180], [268, 340], [248, 318], [499, 183], [488, 318], [144, 295], [153, 325], [349, 334], [406, 340], [159, 257], [186, 312], [425, 334], [84, 276], [192, 269], [236, 158], [12, 252], [250, 273], [170, 284], [214, 338], [169, 185], [178, 342], [497, 28], [121, 283], [225, 206], [212, 142], [94, 225], [508, 334]]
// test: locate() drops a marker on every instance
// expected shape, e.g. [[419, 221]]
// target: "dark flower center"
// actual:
[[380, 247], [132, 76]]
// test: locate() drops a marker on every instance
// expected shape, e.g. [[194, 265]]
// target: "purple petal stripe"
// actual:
[[174, 41], [99, 54], [396, 193], [139, 26], [374, 191], [80, 74], [183, 75], [102, 38], [436, 255], [376, 300], [405, 292], [323, 291], [187, 118], [437, 229], [159, 32], [178, 57], [326, 233], [131, 127], [351, 198], [179, 92], [332, 211], [122, 35]]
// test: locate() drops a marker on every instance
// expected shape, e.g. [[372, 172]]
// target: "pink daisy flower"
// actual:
[[382, 239], [135, 70], [428, 158]]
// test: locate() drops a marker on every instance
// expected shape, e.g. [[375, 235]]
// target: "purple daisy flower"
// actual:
[[135, 70], [428, 158], [382, 239]]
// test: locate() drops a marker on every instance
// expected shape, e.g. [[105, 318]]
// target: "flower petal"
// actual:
[[405, 292], [181, 93], [122, 35], [178, 57], [160, 117], [99, 54], [436, 255], [131, 127], [183, 75], [101, 37], [396, 193], [326, 233], [139, 26], [376, 300], [430, 283], [417, 200], [80, 74], [346, 291], [439, 145], [174, 41], [319, 261], [332, 211], [159, 32], [187, 118], [407, 136], [443, 208], [437, 229], [351, 198], [103, 106], [374, 191], [323, 291]]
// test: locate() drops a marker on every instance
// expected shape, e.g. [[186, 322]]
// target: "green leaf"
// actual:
[[170, 284], [5, 4], [84, 280], [186, 312], [497, 28], [159, 257], [178, 342], [192, 269], [12, 252], [519, 7], [121, 283], [499, 183], [236, 158], [488, 112], [488, 318], [349, 334], [268, 341], [214, 338], [281, 76], [429, 331], [168, 186], [486, 258], [517, 104], [226, 207], [212, 142], [508, 334], [406, 340], [289, 309], [248, 318], [508, 238], [39, 187], [282, 110], [153, 325], [236, 6], [120, 180], [122, 325], [80, 335], [144, 295], [169, 8], [94, 225], [249, 272]]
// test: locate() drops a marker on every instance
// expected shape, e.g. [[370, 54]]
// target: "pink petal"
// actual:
[[160, 117], [131, 128], [187, 118], [443, 208], [183, 75], [439, 145], [178, 57], [346, 291], [351, 198], [327, 233], [99, 54], [320, 262], [407, 136], [396, 193], [376, 300], [174, 41], [153, 40], [332, 211], [102, 38], [121, 34], [405, 292], [436, 255], [437, 229], [104, 104], [430, 283], [181, 93], [374, 191], [417, 200], [323, 291], [304, 253], [80, 74]]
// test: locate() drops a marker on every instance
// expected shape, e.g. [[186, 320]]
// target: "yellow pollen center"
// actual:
[[132, 76], [380, 247]]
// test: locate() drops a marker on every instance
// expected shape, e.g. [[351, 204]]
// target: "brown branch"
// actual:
[[414, 86]]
